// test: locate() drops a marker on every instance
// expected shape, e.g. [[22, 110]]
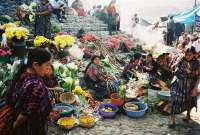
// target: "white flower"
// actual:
[[72, 66], [77, 82], [57, 65], [68, 80], [15, 66], [76, 52]]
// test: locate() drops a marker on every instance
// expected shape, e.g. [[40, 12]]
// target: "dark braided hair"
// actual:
[[38, 55]]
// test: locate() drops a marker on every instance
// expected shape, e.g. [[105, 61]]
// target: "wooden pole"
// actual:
[[195, 3]]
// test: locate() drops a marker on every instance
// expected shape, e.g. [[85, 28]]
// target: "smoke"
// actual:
[[147, 34]]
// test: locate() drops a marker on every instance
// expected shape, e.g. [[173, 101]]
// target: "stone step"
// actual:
[[86, 25], [98, 34], [85, 29], [83, 23]]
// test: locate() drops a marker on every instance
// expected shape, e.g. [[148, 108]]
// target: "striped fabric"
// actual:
[[185, 81]]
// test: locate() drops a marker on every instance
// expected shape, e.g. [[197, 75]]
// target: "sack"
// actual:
[[194, 92], [198, 86]]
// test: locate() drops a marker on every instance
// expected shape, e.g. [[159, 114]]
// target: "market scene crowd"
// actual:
[[52, 78]]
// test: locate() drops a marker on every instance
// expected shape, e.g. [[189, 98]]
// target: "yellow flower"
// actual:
[[17, 23], [21, 33], [9, 34], [9, 25], [40, 40], [62, 41], [79, 91]]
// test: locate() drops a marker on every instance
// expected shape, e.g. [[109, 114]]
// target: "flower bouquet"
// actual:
[[5, 75], [40, 41], [64, 41], [17, 36], [16, 33], [27, 12], [79, 91], [8, 26], [5, 54], [67, 75], [88, 38], [119, 97]]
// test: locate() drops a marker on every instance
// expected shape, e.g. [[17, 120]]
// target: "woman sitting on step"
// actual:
[[97, 80], [135, 65]]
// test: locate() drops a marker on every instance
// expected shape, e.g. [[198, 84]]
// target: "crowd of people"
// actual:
[[183, 76], [109, 15], [29, 102], [45, 8]]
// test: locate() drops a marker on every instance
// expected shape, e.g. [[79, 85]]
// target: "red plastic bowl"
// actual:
[[116, 101]]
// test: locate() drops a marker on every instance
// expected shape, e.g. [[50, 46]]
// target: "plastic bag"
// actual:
[[76, 52], [4, 41]]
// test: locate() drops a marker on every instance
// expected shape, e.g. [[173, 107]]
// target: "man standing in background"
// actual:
[[170, 31]]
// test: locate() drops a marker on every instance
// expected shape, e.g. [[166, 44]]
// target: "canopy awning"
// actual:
[[187, 17]]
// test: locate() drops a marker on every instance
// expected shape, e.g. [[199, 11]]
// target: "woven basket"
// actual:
[[87, 125], [67, 98], [56, 92], [67, 127]]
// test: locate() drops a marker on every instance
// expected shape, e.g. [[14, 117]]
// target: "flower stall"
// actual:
[[75, 105]]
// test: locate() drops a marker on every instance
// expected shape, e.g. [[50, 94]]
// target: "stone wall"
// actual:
[[88, 23]]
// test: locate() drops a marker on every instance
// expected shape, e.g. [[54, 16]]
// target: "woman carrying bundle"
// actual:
[[183, 92]]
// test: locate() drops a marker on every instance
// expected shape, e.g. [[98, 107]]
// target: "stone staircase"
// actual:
[[89, 23], [7, 7], [72, 24]]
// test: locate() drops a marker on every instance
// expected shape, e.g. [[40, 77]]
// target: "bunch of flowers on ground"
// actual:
[[40, 41], [17, 33], [79, 91], [63, 41]]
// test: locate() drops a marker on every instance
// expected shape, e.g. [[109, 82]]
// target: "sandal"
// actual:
[[186, 119], [172, 126]]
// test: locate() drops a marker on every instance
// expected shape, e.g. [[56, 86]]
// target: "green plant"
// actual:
[[5, 75], [55, 28], [67, 75], [121, 94]]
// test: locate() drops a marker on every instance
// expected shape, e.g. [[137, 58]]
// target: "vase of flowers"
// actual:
[[41, 41], [17, 36], [119, 97], [64, 41]]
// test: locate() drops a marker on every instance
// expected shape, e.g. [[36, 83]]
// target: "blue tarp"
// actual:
[[187, 17]]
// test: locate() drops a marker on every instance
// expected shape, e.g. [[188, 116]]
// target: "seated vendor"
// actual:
[[150, 66], [97, 80], [135, 65], [164, 72]]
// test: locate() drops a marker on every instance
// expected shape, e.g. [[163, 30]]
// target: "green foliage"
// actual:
[[5, 75], [55, 28]]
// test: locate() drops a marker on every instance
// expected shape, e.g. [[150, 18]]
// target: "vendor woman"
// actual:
[[135, 65], [150, 66], [30, 96], [97, 80], [183, 97], [164, 72]]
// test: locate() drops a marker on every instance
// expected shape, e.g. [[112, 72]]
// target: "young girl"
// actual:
[[183, 84]]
